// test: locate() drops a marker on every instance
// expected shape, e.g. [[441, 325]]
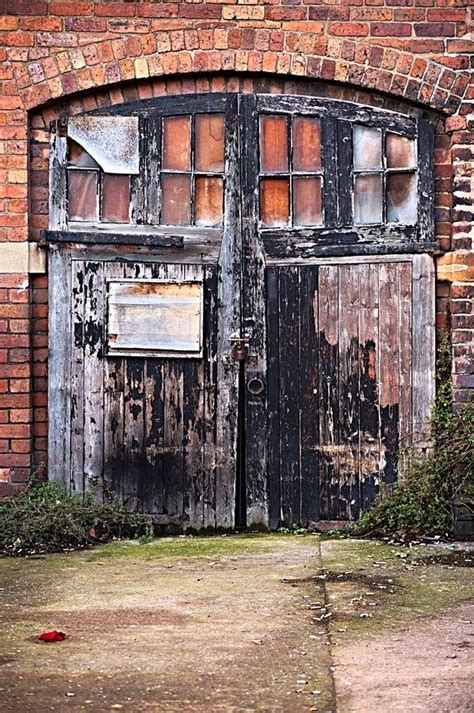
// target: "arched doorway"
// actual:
[[242, 305]]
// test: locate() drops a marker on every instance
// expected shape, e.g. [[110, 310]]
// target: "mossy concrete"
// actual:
[[223, 623]]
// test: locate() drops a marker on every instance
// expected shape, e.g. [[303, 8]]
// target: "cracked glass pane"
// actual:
[[401, 198]]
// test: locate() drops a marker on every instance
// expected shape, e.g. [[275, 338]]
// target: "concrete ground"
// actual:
[[239, 623]]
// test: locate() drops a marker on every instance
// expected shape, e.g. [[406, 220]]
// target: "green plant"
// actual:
[[294, 529], [422, 502], [45, 518]]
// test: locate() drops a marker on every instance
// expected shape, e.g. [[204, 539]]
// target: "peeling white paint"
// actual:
[[112, 141]]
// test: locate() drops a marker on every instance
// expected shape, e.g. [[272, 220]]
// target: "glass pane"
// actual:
[[306, 144], [175, 199], [367, 145], [401, 198], [368, 199], [82, 195], [275, 201], [77, 156], [273, 143], [307, 200], [400, 151], [177, 143], [209, 200], [209, 142], [115, 198]]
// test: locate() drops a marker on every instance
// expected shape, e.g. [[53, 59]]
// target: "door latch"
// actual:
[[240, 347]]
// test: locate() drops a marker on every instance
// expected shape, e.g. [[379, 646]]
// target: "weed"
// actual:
[[45, 518], [422, 502]]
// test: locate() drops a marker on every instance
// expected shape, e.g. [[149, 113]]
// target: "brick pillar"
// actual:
[[15, 381]]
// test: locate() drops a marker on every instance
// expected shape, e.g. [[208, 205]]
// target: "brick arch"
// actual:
[[276, 52]]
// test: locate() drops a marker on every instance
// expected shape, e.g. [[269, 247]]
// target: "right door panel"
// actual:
[[350, 374]]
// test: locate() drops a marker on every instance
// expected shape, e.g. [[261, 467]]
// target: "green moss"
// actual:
[[189, 546], [417, 591]]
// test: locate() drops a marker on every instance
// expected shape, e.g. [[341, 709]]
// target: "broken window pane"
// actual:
[[274, 201], [77, 156], [82, 195], [209, 142], [273, 144], [112, 141], [400, 151], [401, 198], [367, 144], [307, 200], [306, 144], [177, 143], [175, 199], [209, 200], [368, 199], [115, 198]]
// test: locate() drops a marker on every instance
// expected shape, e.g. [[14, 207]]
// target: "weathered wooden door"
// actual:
[[142, 383], [291, 232], [337, 302]]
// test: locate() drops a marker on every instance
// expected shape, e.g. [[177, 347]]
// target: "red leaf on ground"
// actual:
[[52, 636]]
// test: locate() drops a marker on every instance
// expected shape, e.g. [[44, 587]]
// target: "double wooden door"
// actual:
[[234, 377]]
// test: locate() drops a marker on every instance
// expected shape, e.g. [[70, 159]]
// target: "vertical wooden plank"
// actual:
[[154, 437], [134, 416], [173, 476], [193, 421], [59, 330], [328, 389], [389, 351], [273, 357], [349, 392], [405, 341], [93, 377], [113, 410], [290, 440], [309, 387], [423, 346], [222, 373], [218, 481], [426, 193], [369, 414], [57, 178], [254, 323], [77, 375]]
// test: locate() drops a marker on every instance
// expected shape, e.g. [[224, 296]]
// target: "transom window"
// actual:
[[299, 167]]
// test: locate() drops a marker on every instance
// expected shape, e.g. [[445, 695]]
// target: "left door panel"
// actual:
[[144, 427]]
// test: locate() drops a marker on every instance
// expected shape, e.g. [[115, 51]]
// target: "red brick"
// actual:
[[201, 11], [115, 9], [71, 8], [16, 430], [26, 7], [285, 13], [434, 29], [349, 29], [390, 29]]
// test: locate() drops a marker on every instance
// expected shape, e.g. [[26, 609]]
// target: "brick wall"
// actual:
[[61, 57]]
